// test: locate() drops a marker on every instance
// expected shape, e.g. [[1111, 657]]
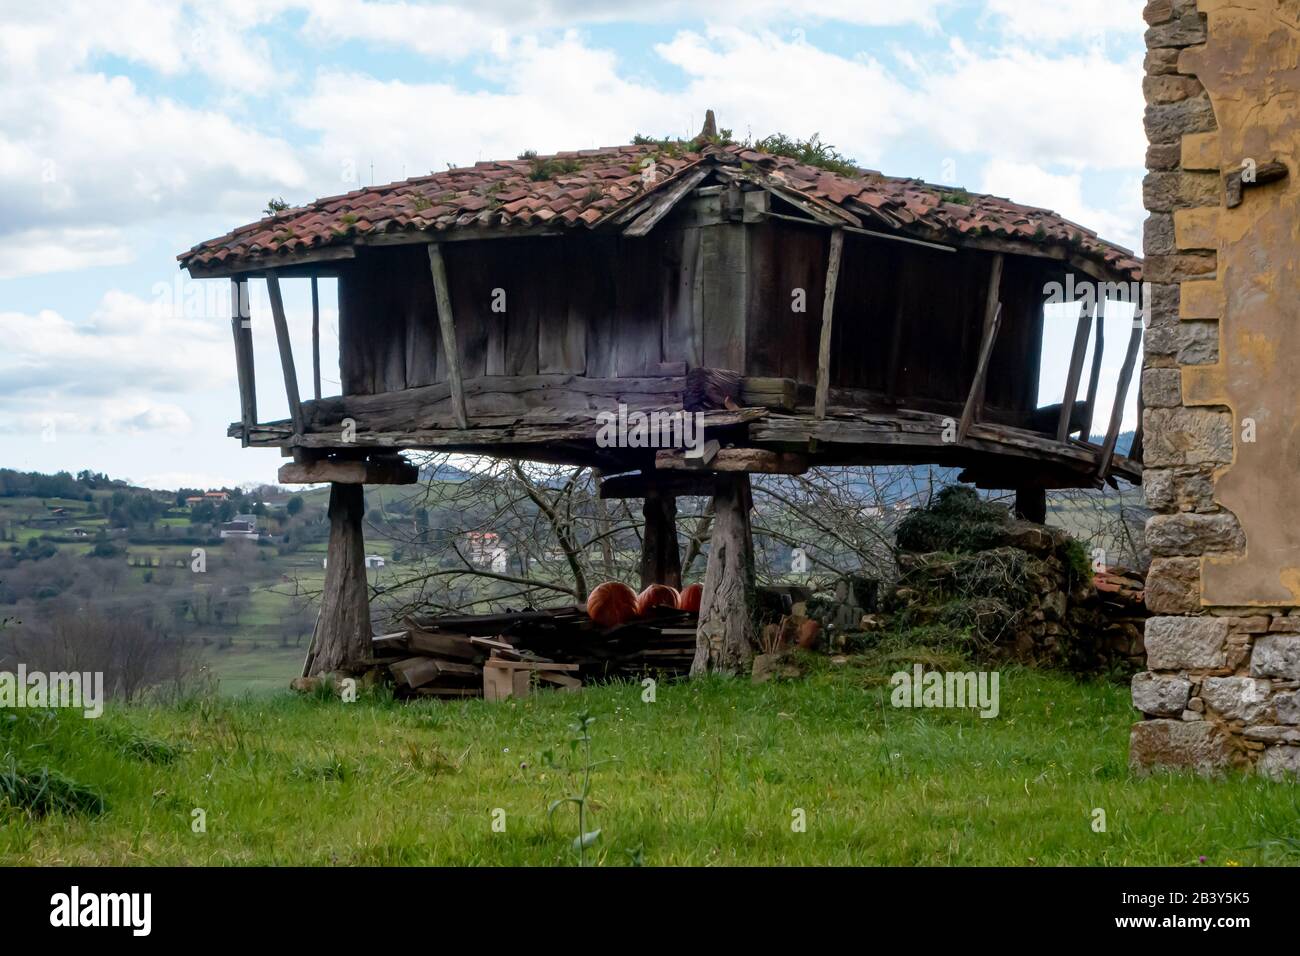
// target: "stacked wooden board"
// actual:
[[561, 647]]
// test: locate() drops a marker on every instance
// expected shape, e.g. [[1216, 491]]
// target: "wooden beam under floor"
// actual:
[[375, 471]]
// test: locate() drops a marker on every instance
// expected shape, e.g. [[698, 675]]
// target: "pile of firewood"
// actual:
[[503, 655]]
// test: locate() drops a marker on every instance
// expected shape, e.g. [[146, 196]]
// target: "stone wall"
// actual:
[[1221, 390]]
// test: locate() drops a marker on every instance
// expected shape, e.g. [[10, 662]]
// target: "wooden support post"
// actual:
[[1076, 371], [1121, 393], [1135, 450], [1031, 504], [828, 314], [342, 636], [975, 400], [992, 311], [315, 338], [242, 329], [1094, 377], [442, 295], [724, 638], [286, 350], [661, 561]]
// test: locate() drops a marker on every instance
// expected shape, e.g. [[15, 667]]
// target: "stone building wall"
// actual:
[[1221, 389]]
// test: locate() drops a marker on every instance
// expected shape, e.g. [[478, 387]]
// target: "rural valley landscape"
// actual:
[[576, 435]]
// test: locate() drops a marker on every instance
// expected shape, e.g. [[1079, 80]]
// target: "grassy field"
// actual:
[[710, 773]]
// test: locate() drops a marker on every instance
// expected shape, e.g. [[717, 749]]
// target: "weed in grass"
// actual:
[[42, 791], [136, 745], [317, 771], [579, 746]]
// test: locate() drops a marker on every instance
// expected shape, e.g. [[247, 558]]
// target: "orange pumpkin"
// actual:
[[690, 598], [655, 595], [611, 604], [810, 633]]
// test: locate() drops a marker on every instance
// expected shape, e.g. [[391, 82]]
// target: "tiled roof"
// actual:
[[588, 188]]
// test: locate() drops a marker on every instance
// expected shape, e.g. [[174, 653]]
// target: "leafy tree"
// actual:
[[295, 505]]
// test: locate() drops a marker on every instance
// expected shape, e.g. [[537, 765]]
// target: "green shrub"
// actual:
[[957, 520], [42, 791]]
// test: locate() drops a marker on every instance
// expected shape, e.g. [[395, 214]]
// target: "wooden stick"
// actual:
[[1121, 393], [976, 397], [1076, 371], [1098, 349], [1135, 450], [828, 313], [241, 327], [443, 297], [663, 205], [315, 337], [992, 303], [286, 350]]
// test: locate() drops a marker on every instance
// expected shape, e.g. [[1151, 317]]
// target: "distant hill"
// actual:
[[1123, 444]]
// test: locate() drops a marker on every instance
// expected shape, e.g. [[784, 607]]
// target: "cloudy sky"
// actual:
[[130, 131]]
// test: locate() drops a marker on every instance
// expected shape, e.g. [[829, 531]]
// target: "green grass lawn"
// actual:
[[712, 772]]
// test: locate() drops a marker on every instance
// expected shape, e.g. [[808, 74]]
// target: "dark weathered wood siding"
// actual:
[[603, 306]]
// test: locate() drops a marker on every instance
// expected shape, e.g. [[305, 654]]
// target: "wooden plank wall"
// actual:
[[721, 296]]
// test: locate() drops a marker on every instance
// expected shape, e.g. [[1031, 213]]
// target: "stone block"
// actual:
[[1279, 763], [1162, 387], [1158, 231], [1276, 655], [1167, 191], [1186, 30], [1177, 643], [1190, 533], [1187, 436], [1197, 228], [1237, 698], [1187, 343], [1170, 88], [1198, 745], [1287, 708], [1162, 60], [1160, 695], [1174, 586]]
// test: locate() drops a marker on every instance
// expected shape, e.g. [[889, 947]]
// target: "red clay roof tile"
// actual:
[[505, 194]]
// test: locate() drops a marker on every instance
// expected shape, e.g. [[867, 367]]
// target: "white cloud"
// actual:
[[460, 28], [37, 251], [92, 150], [766, 84], [1083, 21], [1032, 185], [567, 95], [209, 37], [1082, 111], [123, 371]]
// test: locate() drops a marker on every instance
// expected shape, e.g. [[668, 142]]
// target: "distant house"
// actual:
[[194, 500], [372, 561], [216, 496], [485, 550]]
